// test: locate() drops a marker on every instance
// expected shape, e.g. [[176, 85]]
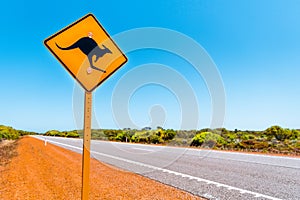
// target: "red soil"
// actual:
[[50, 172]]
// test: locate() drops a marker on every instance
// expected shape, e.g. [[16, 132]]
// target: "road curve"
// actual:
[[206, 173]]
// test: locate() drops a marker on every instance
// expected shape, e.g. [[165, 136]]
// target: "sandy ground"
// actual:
[[50, 172]]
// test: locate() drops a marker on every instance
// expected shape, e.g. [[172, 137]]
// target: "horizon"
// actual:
[[153, 129]]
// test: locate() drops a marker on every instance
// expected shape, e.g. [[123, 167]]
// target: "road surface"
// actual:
[[206, 173]]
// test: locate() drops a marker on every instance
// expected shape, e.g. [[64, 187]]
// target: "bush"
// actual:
[[122, 136], [53, 133], [247, 136], [155, 139], [112, 134], [278, 132], [72, 134], [141, 136], [8, 133], [207, 139], [167, 135], [261, 145], [295, 134]]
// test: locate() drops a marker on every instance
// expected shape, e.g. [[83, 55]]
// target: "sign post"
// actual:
[[88, 53], [86, 144]]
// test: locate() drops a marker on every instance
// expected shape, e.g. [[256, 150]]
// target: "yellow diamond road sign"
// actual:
[[86, 50]]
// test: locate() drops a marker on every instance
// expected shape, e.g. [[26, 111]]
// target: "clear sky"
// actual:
[[255, 45]]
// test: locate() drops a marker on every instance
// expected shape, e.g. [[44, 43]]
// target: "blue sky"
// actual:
[[255, 45]]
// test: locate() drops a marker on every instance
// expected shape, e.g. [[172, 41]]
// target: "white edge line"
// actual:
[[142, 149]]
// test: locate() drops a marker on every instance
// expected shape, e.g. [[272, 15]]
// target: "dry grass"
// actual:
[[8, 150]]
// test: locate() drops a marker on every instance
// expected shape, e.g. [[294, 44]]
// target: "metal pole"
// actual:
[[86, 145]]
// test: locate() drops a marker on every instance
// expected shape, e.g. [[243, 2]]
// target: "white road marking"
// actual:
[[142, 149], [242, 191]]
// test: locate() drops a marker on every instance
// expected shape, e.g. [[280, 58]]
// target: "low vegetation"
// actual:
[[274, 139], [9, 133], [7, 151], [159, 136], [70, 134]]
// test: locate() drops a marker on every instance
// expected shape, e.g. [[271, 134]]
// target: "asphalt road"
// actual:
[[206, 173]]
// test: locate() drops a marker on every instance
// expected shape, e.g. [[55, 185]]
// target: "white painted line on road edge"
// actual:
[[142, 149], [242, 191]]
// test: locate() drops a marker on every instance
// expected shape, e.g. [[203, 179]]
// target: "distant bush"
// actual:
[[167, 135], [207, 139], [9, 133], [278, 132], [53, 133], [153, 136], [297, 145], [295, 135], [155, 139], [122, 136], [71, 134], [112, 134], [142, 136], [274, 139], [97, 134]]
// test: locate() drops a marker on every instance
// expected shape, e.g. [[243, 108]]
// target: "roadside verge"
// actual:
[[51, 172]]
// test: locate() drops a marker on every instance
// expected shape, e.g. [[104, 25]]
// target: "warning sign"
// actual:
[[86, 50]]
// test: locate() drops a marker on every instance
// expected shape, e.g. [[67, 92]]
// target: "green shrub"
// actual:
[[207, 139], [72, 134], [122, 136], [53, 133], [166, 135], [155, 139], [278, 132], [297, 145], [247, 136], [141, 136], [295, 134], [112, 134], [9, 133]]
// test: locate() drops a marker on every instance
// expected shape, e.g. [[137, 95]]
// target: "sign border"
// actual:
[[65, 66]]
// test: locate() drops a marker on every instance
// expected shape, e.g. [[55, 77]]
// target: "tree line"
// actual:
[[274, 139], [70, 134], [9, 133]]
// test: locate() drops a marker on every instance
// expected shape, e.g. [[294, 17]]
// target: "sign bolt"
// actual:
[[89, 70]]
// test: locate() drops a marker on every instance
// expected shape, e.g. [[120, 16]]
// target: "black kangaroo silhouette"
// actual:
[[89, 47]]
